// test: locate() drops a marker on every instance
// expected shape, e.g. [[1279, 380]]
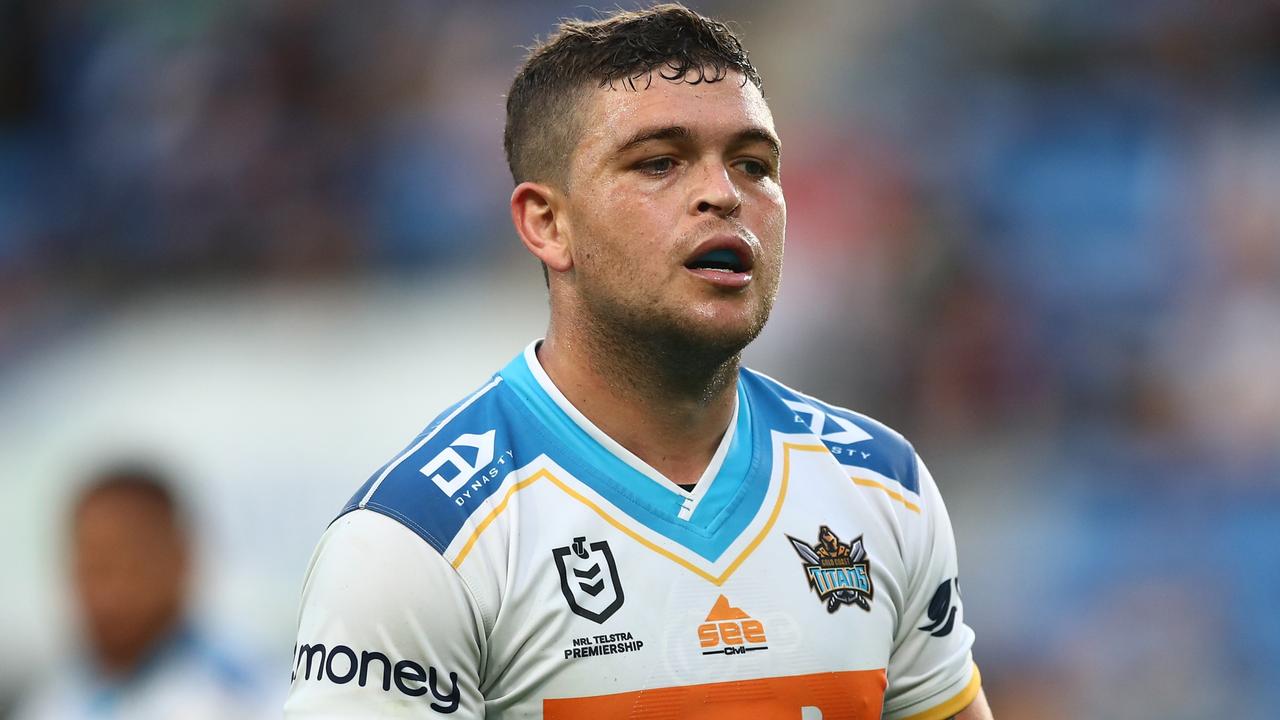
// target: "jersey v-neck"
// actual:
[[705, 520]]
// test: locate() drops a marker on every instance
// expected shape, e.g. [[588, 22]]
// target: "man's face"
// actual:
[[130, 573], [675, 212]]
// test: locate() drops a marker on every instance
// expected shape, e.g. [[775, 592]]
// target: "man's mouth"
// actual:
[[726, 261], [720, 260]]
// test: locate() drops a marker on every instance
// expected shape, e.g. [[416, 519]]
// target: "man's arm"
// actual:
[[387, 629], [977, 710], [931, 673]]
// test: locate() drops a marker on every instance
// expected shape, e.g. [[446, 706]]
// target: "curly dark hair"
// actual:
[[677, 43]]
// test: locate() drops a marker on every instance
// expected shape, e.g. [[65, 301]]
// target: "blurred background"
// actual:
[[261, 244]]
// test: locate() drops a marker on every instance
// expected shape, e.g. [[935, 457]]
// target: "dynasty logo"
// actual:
[[840, 573]]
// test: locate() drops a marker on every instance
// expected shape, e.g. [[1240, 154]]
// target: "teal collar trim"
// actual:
[[632, 484]]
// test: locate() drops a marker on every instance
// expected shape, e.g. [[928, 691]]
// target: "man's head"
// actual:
[[544, 120], [130, 564], [646, 165]]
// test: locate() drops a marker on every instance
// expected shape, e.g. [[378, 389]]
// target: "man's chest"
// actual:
[[605, 615]]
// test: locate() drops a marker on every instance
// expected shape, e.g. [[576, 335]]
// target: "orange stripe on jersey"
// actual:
[[848, 695]]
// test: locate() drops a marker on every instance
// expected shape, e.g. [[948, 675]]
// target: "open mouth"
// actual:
[[722, 260]]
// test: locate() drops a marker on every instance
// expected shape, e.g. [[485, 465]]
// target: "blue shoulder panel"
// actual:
[[458, 461], [854, 439]]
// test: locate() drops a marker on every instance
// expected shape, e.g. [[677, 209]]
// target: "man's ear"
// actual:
[[535, 211]]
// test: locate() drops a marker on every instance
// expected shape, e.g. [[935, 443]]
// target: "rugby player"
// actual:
[[624, 522]]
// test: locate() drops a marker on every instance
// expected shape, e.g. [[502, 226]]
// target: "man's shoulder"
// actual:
[[458, 460], [854, 439]]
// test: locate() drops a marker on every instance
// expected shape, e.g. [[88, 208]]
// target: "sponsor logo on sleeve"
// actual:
[[341, 664], [942, 611], [467, 465], [840, 573], [589, 579], [730, 631], [844, 432]]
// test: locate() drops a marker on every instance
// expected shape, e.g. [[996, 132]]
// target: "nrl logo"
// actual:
[[589, 579], [840, 573]]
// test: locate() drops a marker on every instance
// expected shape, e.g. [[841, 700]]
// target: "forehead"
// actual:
[[712, 110], [126, 506]]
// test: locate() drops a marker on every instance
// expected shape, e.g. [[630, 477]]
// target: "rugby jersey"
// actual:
[[516, 562]]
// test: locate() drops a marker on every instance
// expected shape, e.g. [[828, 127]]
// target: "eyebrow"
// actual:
[[671, 132], [756, 134], [682, 133]]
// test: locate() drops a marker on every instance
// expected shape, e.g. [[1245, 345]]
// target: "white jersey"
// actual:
[[188, 678], [516, 562]]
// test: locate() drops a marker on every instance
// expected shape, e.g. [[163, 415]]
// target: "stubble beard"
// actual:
[[657, 350]]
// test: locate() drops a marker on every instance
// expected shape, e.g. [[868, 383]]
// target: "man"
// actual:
[[622, 522], [131, 568]]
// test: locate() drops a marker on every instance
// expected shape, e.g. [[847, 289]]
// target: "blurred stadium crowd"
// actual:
[[1040, 237]]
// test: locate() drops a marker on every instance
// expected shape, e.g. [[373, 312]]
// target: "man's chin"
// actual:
[[694, 334], [708, 339]]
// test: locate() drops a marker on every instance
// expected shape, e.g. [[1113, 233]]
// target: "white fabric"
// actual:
[[184, 683]]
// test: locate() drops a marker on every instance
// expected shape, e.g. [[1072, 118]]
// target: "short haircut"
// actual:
[[543, 125]]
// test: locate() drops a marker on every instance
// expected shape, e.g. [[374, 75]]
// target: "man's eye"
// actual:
[[754, 168], [657, 166]]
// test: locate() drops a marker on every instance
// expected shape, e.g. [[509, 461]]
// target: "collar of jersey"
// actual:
[[705, 520]]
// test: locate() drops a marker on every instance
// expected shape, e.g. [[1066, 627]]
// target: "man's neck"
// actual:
[[671, 415]]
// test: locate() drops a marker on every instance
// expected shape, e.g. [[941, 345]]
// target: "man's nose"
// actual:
[[716, 192]]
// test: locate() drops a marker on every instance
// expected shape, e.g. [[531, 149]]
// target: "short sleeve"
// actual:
[[387, 629], [931, 672]]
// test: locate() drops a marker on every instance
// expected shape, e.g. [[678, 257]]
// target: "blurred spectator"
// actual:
[[131, 561]]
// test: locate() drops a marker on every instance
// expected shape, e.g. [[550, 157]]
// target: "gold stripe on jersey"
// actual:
[[864, 482], [787, 449], [958, 702]]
